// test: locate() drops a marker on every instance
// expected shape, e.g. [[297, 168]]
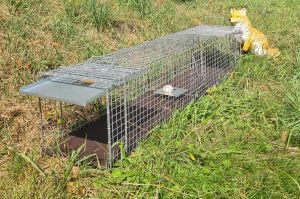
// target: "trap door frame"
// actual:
[[79, 95]]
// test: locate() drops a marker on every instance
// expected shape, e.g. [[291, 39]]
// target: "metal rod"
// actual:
[[109, 144], [202, 67], [42, 124], [61, 119], [194, 69], [126, 119]]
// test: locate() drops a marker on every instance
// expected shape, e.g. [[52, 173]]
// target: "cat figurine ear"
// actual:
[[232, 10], [243, 11]]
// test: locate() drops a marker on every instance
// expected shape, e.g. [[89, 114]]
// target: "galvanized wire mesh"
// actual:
[[111, 70], [190, 61], [136, 106]]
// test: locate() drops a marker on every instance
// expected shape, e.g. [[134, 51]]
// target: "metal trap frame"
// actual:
[[126, 87]]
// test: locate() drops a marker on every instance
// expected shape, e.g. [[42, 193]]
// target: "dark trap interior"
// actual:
[[94, 135]]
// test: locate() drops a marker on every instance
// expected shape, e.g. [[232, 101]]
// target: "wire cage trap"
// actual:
[[122, 96]]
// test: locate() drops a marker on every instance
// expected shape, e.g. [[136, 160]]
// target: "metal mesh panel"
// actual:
[[137, 106], [113, 69]]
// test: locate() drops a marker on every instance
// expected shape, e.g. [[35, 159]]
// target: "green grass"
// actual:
[[144, 8], [226, 145], [99, 14]]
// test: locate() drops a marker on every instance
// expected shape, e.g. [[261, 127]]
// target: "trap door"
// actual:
[[74, 94]]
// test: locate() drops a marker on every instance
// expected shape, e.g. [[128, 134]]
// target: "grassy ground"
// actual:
[[226, 145]]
